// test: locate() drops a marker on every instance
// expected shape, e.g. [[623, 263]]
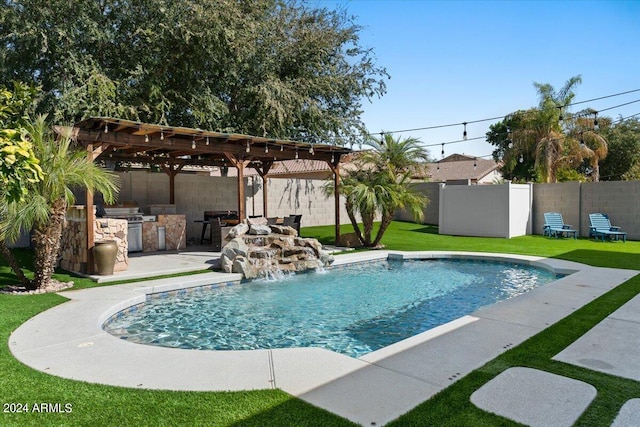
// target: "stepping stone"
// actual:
[[629, 415], [534, 397]]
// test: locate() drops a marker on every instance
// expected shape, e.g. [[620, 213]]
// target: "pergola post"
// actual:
[[335, 168], [172, 171], [266, 166]]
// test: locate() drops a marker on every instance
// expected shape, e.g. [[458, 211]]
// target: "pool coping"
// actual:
[[68, 341]]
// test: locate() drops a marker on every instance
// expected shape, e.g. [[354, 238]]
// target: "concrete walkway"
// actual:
[[68, 341]]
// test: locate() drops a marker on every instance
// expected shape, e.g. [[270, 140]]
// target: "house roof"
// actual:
[[460, 167]]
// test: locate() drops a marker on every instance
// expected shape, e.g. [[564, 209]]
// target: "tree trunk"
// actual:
[[46, 239], [367, 225], [384, 224], [354, 223], [13, 263]]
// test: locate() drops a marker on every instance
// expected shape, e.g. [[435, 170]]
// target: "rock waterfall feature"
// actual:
[[262, 251]]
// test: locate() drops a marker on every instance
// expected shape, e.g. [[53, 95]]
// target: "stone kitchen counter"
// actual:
[[175, 232]]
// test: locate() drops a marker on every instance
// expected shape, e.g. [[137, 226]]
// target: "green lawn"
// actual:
[[104, 405]]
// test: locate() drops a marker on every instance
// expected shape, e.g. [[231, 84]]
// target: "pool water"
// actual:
[[351, 310]]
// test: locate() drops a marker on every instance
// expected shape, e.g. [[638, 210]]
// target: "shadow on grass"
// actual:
[[294, 413], [428, 229], [597, 258]]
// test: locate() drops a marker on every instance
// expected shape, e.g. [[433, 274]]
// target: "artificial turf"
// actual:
[[98, 405]]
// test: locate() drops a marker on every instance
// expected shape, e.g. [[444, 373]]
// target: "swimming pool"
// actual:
[[351, 310]]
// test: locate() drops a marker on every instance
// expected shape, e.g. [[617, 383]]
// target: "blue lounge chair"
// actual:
[[554, 226], [601, 227]]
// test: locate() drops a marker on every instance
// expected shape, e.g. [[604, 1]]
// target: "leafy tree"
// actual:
[[265, 67], [380, 183], [623, 160], [514, 164], [18, 165], [44, 208]]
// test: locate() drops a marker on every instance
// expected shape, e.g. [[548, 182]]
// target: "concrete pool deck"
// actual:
[[68, 341]]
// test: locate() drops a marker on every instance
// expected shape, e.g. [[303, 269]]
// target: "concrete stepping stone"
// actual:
[[534, 397], [629, 415]]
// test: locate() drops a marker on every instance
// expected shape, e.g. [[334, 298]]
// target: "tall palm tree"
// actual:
[[43, 210], [541, 131], [379, 184]]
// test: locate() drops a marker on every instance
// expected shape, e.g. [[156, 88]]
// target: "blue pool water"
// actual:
[[351, 310]]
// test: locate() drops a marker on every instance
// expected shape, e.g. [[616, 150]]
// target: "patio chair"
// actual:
[[293, 221], [601, 227], [554, 226], [272, 220]]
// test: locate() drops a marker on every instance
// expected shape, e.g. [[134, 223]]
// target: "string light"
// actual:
[[146, 138], [475, 163], [266, 148], [193, 143], [442, 153], [248, 149], [521, 159], [281, 147], [464, 132], [207, 141], [502, 117], [595, 120], [296, 153], [332, 157], [161, 135], [106, 128], [311, 150]]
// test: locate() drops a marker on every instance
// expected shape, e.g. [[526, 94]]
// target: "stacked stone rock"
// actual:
[[256, 250]]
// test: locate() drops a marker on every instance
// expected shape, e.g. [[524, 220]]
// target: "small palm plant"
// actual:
[[44, 208], [379, 183]]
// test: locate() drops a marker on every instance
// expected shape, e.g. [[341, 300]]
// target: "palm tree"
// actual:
[[379, 184], [542, 134], [593, 146], [43, 210]]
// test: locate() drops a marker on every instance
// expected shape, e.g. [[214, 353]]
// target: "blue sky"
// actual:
[[460, 61]]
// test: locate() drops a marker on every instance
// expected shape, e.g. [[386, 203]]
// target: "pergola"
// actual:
[[172, 148]]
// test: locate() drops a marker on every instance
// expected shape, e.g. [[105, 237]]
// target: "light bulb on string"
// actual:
[[333, 159], [207, 141], [464, 132], [510, 145], [106, 128], [161, 135], [248, 149], [266, 148], [146, 138], [442, 153], [311, 150], [560, 117], [595, 120], [296, 157], [475, 163], [281, 147], [438, 167], [521, 159]]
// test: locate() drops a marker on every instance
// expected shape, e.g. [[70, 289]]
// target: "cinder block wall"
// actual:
[[618, 199], [575, 201], [563, 197], [432, 211], [195, 194]]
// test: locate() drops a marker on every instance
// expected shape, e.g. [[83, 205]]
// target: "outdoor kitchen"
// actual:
[[125, 224]]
